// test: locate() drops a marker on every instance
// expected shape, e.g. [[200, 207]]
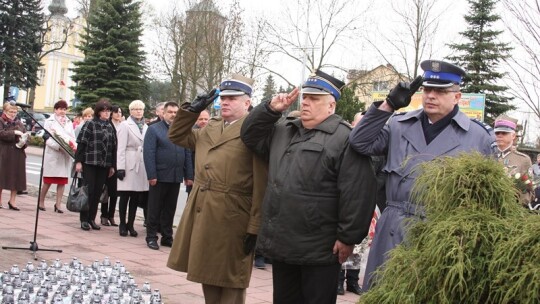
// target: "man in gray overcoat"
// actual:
[[409, 139]]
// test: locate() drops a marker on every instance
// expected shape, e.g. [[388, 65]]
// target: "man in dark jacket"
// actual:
[[320, 194], [166, 166]]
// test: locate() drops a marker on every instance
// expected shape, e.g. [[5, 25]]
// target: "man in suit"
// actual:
[[159, 113], [167, 165], [216, 236]]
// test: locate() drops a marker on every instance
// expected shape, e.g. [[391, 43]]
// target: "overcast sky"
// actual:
[[357, 54]]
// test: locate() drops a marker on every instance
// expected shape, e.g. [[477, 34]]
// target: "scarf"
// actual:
[[139, 122], [433, 130], [6, 118], [9, 122], [61, 119]]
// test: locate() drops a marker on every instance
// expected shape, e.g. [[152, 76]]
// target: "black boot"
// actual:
[[123, 229], [340, 290], [132, 231], [94, 225], [85, 226], [354, 288], [341, 280], [105, 221]]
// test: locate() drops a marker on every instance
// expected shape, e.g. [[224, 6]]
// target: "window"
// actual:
[[41, 76], [380, 86]]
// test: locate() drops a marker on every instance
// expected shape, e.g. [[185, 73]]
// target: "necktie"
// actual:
[[226, 125]]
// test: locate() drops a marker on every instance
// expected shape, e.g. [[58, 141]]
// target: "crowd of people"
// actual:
[[300, 190]]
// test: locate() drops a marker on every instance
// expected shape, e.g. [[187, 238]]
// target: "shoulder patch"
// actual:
[[484, 125]]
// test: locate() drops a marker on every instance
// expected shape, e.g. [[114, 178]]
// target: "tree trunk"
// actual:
[[31, 97]]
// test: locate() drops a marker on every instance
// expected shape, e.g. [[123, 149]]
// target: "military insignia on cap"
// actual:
[[435, 66]]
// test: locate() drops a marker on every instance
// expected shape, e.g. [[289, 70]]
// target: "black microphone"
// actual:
[[22, 105]]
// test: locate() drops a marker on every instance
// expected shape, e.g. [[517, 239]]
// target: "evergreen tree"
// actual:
[[349, 104], [269, 88], [113, 63], [481, 55], [21, 23]]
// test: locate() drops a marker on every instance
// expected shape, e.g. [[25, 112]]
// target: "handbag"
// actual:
[[78, 197], [104, 197]]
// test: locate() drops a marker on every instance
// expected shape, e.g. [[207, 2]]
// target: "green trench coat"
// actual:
[[223, 206]]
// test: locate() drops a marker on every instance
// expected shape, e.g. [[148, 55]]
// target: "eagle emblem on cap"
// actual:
[[435, 66]]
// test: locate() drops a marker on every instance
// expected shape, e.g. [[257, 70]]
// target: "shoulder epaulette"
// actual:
[[484, 125], [521, 154], [346, 123]]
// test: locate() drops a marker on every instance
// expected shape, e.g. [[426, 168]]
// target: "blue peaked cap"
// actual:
[[441, 74], [321, 83], [236, 85]]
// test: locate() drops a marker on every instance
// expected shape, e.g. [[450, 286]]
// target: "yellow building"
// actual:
[[381, 78], [54, 74]]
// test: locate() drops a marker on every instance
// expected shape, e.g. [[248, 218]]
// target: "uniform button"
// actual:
[[198, 209], [206, 166], [203, 189]]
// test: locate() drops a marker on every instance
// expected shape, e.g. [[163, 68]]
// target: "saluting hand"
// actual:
[[283, 101]]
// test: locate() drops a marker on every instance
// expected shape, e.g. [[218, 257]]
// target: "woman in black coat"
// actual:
[[96, 158]]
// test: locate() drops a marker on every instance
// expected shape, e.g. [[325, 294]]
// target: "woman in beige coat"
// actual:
[[132, 181], [57, 163]]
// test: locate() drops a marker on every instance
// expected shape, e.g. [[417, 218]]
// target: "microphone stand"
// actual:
[[33, 244]]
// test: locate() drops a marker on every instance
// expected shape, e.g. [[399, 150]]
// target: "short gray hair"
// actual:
[[136, 104]]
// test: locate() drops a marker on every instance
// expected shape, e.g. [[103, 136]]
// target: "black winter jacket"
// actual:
[[319, 190]]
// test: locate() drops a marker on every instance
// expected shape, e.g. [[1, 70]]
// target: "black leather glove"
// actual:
[[121, 174], [249, 243], [202, 101], [400, 96]]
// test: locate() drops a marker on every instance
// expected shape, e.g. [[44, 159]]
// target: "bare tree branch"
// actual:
[[523, 23], [318, 28]]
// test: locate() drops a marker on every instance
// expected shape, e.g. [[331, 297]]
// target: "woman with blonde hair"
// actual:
[[12, 155], [132, 181], [87, 114]]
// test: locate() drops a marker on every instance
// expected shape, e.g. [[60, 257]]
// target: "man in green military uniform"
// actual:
[[514, 161]]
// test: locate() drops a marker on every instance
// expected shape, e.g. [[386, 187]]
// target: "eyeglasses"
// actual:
[[439, 91]]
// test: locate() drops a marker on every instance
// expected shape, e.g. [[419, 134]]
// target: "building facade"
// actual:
[[380, 79], [55, 72]]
